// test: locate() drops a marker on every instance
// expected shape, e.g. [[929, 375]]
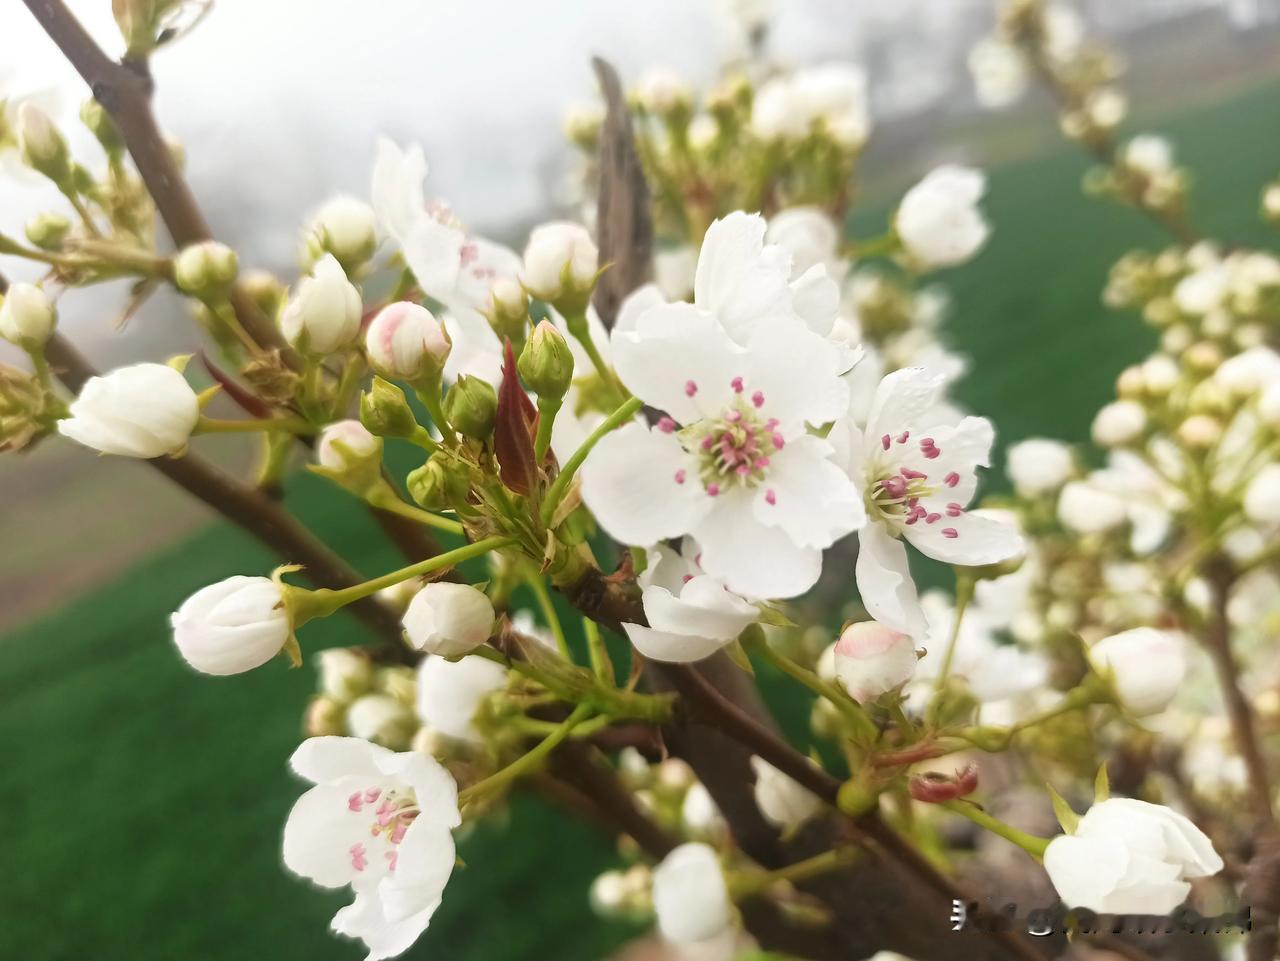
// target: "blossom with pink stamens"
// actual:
[[397, 858]]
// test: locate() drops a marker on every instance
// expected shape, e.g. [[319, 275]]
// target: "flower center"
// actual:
[[898, 494], [733, 447], [393, 810]]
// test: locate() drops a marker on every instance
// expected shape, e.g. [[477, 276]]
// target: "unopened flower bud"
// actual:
[[782, 800], [323, 315], [1039, 465], [448, 619], [344, 227], [508, 309], [1087, 509], [1145, 665], [690, 897], [1159, 374], [1119, 423], [661, 91], [1130, 384], [872, 659], [546, 363], [94, 116], [582, 123], [429, 485], [144, 410], [1262, 496], [471, 406], [1200, 431], [1249, 372], [406, 342], [42, 145], [1271, 203], [560, 264], [382, 720], [138, 21], [385, 411], [939, 222], [205, 269], [264, 290], [325, 717], [345, 674], [48, 230], [1204, 357], [27, 316], [232, 626], [1269, 406], [350, 456], [1209, 397]]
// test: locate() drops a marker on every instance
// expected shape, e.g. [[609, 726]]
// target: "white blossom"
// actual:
[[343, 441], [1146, 666], [450, 693], [690, 897], [691, 615], [145, 410], [560, 258], [781, 799], [232, 626], [1039, 465], [829, 97], [1086, 508], [699, 813], [405, 340], [1129, 857], [344, 673], [324, 313], [1119, 422], [346, 227], [448, 619], [872, 658], [917, 483], [939, 222], [380, 822]]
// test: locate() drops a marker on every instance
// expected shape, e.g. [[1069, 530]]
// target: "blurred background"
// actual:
[[145, 803]]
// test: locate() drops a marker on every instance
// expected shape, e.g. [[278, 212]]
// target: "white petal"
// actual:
[[799, 374], [637, 302], [630, 482], [902, 398], [365, 919], [703, 608], [320, 831], [815, 298], [748, 557], [669, 647], [679, 360], [736, 281], [885, 584], [808, 496], [433, 252], [476, 350], [978, 539], [1084, 871], [425, 860], [433, 786], [326, 759], [397, 186], [960, 449]]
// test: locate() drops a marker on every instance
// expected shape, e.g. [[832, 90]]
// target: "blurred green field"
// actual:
[[145, 803]]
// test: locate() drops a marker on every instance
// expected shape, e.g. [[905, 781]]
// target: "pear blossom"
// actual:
[[939, 222], [691, 615], [871, 659], [27, 315], [690, 896], [1146, 666], [1129, 857], [232, 626], [1039, 465], [451, 692], [781, 799], [324, 313], [916, 484], [560, 258], [144, 410], [346, 227], [448, 619], [731, 462], [344, 441], [405, 341], [380, 822]]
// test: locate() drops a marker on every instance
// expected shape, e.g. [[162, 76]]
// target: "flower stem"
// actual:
[[964, 594], [750, 884], [215, 425], [322, 603], [555, 493], [395, 505], [539, 588], [1035, 846], [756, 642], [600, 663], [577, 323], [529, 762]]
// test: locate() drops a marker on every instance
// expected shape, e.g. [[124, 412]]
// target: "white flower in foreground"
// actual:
[[324, 313], [560, 258], [405, 341], [1129, 857], [145, 410], [448, 619], [871, 659], [1038, 465], [917, 483], [939, 222], [1262, 496], [782, 800], [232, 626], [691, 615], [450, 693], [380, 822], [731, 463], [1146, 666], [690, 897], [27, 315]]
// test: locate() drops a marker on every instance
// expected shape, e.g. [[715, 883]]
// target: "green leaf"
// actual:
[[738, 655], [1101, 786], [1062, 810], [774, 617]]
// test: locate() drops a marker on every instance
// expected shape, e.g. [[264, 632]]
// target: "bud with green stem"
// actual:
[[546, 367], [48, 230], [385, 412], [94, 116], [205, 270], [508, 309], [471, 406]]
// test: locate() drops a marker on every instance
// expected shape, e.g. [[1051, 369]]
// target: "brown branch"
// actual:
[[124, 89]]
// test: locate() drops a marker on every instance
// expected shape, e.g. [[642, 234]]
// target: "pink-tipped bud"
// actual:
[[405, 341], [872, 659]]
